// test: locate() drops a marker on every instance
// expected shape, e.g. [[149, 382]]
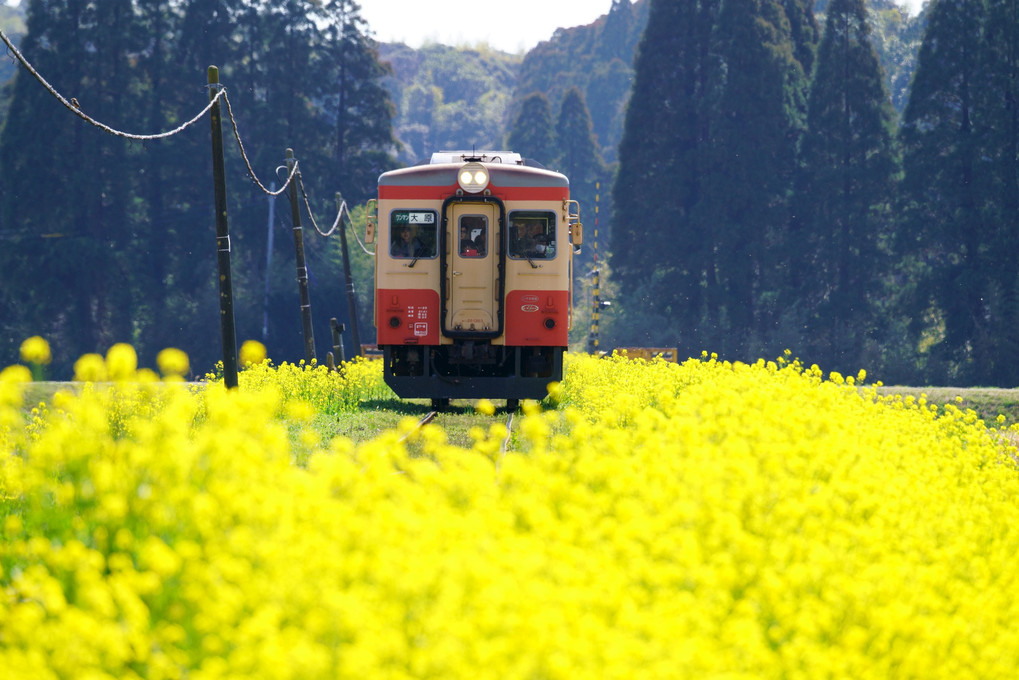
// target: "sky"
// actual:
[[512, 26], [509, 25]]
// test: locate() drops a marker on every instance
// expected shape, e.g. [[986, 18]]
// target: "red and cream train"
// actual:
[[473, 276]]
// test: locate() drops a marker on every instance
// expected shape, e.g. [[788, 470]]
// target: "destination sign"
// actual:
[[413, 217]]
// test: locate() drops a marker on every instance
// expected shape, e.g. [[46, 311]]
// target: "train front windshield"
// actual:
[[532, 235], [413, 234]]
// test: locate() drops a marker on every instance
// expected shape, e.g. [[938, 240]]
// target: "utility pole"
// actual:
[[268, 264], [226, 297], [351, 297], [302, 267]]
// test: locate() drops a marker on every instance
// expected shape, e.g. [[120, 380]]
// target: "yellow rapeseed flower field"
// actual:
[[695, 520]]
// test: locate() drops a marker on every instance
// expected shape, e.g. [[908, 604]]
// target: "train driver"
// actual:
[[406, 244], [531, 241]]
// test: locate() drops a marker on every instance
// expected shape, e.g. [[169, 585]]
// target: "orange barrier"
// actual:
[[649, 353]]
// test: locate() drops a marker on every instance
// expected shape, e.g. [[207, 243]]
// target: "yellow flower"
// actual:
[[90, 368], [35, 350], [121, 361], [173, 362], [729, 519], [485, 406], [16, 374], [252, 353]]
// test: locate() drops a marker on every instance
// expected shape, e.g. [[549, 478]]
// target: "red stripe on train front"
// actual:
[[504, 193], [407, 316], [537, 317]]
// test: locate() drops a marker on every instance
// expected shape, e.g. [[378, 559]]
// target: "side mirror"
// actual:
[[577, 233]]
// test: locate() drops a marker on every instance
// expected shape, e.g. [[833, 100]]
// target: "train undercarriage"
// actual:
[[471, 369]]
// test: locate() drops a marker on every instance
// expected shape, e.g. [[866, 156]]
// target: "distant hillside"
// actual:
[[448, 97], [459, 97], [456, 97], [597, 58], [897, 38]]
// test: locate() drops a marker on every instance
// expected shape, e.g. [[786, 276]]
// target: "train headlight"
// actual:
[[473, 178]]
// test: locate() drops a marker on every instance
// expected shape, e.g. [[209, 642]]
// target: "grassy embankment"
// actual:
[[378, 416], [987, 402]]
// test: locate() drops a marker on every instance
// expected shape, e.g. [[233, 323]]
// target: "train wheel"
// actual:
[[440, 404], [512, 405]]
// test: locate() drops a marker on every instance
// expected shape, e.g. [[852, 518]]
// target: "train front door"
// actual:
[[472, 272]]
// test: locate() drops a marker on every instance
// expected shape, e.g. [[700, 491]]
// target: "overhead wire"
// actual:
[[75, 108]]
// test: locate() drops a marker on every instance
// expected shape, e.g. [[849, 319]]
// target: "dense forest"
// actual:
[[836, 178], [802, 211]]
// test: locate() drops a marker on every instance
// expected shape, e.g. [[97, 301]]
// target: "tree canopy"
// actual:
[[532, 134], [806, 218], [842, 202], [111, 240]]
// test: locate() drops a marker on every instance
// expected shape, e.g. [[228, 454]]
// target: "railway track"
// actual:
[[431, 415]]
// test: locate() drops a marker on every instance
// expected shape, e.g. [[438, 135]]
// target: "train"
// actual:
[[473, 276]]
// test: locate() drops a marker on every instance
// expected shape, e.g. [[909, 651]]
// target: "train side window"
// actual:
[[473, 236], [532, 235], [413, 233]]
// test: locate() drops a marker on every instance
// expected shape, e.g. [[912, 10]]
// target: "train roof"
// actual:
[[507, 169], [479, 156]]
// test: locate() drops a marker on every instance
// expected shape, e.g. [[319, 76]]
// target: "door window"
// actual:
[[473, 240]]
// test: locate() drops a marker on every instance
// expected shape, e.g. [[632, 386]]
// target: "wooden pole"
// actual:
[[351, 297], [337, 329], [226, 298], [302, 267]]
